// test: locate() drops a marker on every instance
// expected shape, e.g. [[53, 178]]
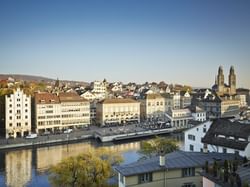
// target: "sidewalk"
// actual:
[[74, 136]]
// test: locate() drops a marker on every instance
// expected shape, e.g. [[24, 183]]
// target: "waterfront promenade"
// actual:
[[104, 134]]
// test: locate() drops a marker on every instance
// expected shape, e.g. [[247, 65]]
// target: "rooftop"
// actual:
[[174, 160]]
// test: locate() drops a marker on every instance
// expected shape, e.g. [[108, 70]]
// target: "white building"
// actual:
[[99, 87], [117, 111], [243, 101], [225, 136], [88, 95], [198, 113], [179, 118], [17, 114], [193, 136], [221, 136]]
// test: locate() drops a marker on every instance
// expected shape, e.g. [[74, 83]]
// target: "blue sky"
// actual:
[[177, 41]]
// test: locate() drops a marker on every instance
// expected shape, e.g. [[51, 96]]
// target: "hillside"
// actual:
[[36, 78]]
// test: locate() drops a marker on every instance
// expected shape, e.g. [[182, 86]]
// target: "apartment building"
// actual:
[[153, 106], [75, 111], [56, 112], [117, 111], [16, 120], [47, 110]]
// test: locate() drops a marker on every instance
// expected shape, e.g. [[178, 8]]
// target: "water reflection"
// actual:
[[27, 167], [18, 167]]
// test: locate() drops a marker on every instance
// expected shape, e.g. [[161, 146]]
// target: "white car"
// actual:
[[67, 131], [31, 136]]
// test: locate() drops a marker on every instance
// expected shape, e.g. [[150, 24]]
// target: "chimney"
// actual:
[[162, 159]]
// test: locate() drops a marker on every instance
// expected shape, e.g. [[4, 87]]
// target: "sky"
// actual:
[[176, 41]]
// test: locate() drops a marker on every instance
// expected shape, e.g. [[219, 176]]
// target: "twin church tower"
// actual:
[[220, 87]]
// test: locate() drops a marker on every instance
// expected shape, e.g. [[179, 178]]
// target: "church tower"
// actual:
[[232, 81], [220, 81]]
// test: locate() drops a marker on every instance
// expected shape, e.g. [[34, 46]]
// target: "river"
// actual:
[[28, 167]]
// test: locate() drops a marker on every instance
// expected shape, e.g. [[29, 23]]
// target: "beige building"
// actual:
[[47, 109], [68, 110], [152, 106], [118, 111], [176, 169], [75, 111], [17, 114]]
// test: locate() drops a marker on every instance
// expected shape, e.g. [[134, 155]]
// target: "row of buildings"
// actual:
[[51, 111]]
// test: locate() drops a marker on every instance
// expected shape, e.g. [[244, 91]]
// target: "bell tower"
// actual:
[[220, 81], [232, 81]]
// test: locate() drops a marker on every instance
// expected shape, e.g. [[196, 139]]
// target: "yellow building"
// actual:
[[117, 111], [176, 169]]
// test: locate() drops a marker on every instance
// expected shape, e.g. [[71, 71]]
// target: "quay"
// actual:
[[101, 134], [115, 136]]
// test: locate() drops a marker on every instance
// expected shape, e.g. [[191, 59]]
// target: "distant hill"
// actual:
[[37, 78]]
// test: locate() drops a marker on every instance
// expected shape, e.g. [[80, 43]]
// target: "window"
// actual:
[[191, 147], [224, 150], [187, 172], [18, 117], [26, 110], [191, 137], [26, 105], [10, 124], [18, 105], [204, 130], [197, 129], [10, 105], [146, 177], [188, 185], [18, 111], [26, 117], [10, 117], [26, 123], [10, 111]]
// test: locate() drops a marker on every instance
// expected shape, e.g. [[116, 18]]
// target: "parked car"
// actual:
[[31, 136], [67, 131]]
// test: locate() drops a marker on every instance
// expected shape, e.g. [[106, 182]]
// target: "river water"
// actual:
[[28, 167]]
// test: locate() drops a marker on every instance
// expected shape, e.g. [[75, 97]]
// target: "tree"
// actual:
[[158, 145], [92, 168]]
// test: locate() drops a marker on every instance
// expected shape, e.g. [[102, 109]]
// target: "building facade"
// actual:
[[174, 169], [225, 136], [193, 136], [179, 118], [53, 112], [17, 114], [117, 111]]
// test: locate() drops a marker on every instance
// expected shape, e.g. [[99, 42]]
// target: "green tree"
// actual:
[[158, 145], [92, 168]]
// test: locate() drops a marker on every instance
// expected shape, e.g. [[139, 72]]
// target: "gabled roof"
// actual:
[[227, 128], [71, 97], [174, 160], [112, 101], [46, 98]]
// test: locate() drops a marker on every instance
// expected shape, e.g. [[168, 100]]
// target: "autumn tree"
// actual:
[[158, 145], [92, 168]]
